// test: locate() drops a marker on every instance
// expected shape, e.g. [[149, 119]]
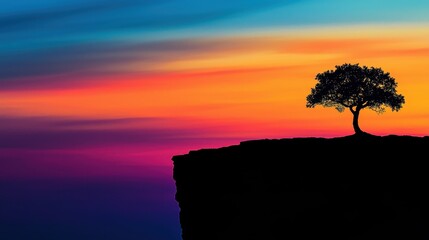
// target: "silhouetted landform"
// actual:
[[353, 187]]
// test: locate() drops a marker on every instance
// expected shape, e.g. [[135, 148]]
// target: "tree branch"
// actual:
[[345, 105]]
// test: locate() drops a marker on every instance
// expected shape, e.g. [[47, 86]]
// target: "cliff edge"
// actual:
[[368, 187]]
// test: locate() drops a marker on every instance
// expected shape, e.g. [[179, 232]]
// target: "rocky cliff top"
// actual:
[[352, 187]]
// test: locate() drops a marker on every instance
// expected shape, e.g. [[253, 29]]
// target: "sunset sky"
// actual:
[[112, 89]]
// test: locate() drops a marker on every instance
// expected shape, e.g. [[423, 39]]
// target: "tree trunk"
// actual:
[[356, 122]]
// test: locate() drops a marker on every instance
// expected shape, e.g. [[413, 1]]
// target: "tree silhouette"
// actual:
[[354, 87]]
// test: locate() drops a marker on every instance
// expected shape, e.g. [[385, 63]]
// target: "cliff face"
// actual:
[[306, 188]]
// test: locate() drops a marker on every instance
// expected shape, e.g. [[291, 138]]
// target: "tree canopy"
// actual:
[[355, 87]]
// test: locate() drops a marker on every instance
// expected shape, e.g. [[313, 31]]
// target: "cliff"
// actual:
[[306, 188]]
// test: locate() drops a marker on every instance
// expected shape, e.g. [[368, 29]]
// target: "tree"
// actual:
[[354, 87]]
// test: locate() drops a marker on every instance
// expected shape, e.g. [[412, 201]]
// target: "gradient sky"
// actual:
[[112, 89]]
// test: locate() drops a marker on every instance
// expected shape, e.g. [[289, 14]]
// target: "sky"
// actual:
[[97, 96]]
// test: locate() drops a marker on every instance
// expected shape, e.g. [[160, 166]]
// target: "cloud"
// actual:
[[66, 67], [65, 37], [52, 123], [50, 68], [63, 133], [25, 19], [75, 139], [138, 13], [70, 23], [103, 122]]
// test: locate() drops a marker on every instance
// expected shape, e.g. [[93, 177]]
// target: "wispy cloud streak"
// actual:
[[62, 133]]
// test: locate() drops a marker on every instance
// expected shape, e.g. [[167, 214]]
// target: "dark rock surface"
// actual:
[[353, 187]]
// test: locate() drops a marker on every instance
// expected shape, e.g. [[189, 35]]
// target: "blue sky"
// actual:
[[43, 23], [31, 31]]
